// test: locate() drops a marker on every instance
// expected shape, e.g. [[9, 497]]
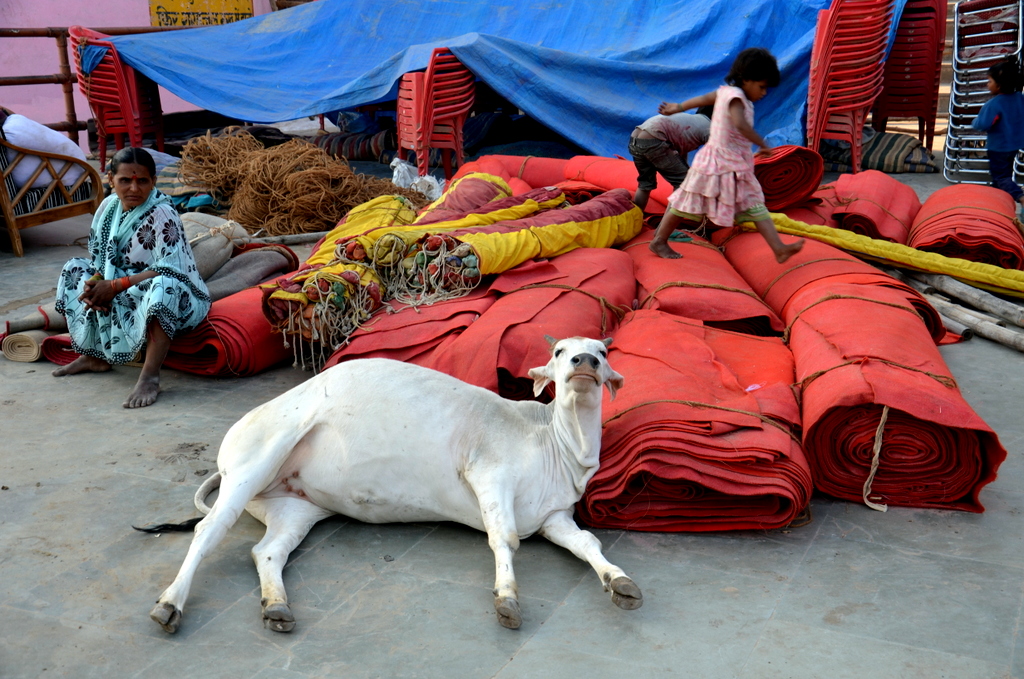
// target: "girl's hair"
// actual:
[[132, 156], [1007, 75], [754, 64]]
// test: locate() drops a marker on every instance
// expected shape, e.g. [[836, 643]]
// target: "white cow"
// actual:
[[383, 441]]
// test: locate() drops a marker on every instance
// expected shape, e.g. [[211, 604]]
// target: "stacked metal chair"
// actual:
[[847, 71], [986, 32], [914, 68]]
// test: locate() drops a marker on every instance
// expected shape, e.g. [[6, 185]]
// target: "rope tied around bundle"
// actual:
[[606, 306], [833, 296], [944, 380], [688, 284], [876, 453]]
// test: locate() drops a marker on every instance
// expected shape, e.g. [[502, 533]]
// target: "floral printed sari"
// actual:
[[149, 237]]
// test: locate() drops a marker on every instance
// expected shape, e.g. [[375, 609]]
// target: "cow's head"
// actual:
[[578, 365]]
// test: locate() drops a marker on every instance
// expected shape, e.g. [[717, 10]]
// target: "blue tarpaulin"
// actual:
[[589, 69]]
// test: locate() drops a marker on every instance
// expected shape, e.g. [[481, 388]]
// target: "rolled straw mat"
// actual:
[[24, 347]]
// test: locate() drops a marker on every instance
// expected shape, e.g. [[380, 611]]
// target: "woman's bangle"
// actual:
[[121, 284]]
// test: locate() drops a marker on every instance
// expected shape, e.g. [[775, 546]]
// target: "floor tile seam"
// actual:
[[926, 552], [554, 611], [900, 644], [4, 608]]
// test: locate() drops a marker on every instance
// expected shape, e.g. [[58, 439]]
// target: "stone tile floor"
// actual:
[[908, 593]]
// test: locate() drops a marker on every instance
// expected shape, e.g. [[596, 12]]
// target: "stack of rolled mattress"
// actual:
[[788, 175], [234, 339], [701, 436], [586, 293], [874, 204], [701, 285], [972, 222], [883, 420]]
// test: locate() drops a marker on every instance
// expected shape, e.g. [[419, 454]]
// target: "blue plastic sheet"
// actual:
[[589, 69]]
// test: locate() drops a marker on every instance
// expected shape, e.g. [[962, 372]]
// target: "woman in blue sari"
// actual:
[[140, 282]]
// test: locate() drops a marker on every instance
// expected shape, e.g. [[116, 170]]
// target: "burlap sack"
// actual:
[[212, 239]]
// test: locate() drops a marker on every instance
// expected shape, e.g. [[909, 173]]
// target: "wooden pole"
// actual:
[[1005, 336], [980, 299], [958, 328], [292, 239]]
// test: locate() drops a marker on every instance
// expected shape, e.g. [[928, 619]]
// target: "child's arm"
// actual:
[[739, 121], [667, 109], [987, 117]]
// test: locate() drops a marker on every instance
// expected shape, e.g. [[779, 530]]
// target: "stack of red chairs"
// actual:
[[432, 108], [913, 69], [122, 100], [847, 71]]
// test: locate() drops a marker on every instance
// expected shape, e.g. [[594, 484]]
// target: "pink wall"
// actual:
[[38, 56]]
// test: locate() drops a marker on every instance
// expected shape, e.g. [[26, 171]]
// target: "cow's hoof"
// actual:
[[278, 617], [167, 616], [625, 593], [508, 612]]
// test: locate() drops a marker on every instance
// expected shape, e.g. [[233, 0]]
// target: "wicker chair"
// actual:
[[21, 208]]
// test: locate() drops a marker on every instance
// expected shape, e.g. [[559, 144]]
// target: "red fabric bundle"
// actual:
[[818, 209], [700, 436], [970, 222], [860, 346], [498, 350], [57, 349], [235, 339], [777, 283], [935, 450], [411, 334], [611, 173], [701, 285], [577, 191], [788, 175], [876, 205], [534, 171], [467, 195], [444, 213]]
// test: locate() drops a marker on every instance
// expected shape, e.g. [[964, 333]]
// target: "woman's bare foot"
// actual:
[[82, 364], [788, 250], [662, 249], [144, 393]]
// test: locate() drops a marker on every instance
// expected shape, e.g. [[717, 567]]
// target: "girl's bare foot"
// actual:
[[82, 364], [662, 249], [788, 250], [144, 393]]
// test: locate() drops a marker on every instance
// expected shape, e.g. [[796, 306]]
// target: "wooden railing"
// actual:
[[66, 78]]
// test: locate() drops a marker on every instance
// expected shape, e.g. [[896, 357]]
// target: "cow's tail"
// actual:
[[209, 485]]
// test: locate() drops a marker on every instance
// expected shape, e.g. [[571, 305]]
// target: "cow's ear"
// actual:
[[614, 383], [541, 376]]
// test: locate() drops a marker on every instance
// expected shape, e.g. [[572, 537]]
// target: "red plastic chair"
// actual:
[[122, 100], [432, 108]]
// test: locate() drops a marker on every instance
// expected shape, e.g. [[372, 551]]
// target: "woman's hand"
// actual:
[[667, 109], [97, 294]]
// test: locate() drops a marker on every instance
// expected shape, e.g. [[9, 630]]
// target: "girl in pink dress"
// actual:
[[721, 186]]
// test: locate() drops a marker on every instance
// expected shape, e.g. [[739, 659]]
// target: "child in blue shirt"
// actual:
[[1002, 117]]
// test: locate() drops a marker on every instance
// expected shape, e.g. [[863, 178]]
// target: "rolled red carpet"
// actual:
[[701, 285], [57, 349], [874, 204], [818, 209], [777, 283], [788, 175], [971, 222], [235, 339], [588, 290], [700, 437], [862, 348]]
